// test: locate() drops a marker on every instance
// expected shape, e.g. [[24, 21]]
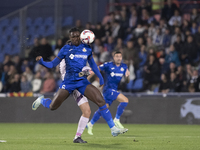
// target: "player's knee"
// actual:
[[101, 102], [53, 107], [87, 113], [126, 100]]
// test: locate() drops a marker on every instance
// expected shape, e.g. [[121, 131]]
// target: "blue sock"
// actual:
[[46, 102], [107, 115], [96, 117], [120, 109]]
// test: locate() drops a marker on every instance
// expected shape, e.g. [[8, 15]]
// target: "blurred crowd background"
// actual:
[[161, 49]]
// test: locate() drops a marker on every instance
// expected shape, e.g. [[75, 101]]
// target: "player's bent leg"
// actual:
[[94, 95], [120, 109], [59, 98]]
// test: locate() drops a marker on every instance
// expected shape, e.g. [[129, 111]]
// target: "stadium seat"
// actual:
[[38, 21], [48, 21], [50, 31], [28, 22], [4, 23], [138, 84], [8, 31], [68, 21], [14, 22]]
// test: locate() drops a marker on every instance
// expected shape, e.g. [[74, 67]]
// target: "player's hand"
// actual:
[[127, 73], [38, 58]]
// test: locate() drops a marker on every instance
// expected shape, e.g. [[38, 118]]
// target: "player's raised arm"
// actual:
[[127, 75], [50, 64], [94, 67]]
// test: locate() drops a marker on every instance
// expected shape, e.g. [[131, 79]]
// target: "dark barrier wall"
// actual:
[[147, 110]]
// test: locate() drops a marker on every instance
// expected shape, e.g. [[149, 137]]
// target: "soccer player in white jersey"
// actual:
[[83, 104]]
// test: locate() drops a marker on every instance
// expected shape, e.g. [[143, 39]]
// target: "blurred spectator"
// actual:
[[96, 45], [182, 79], [152, 29], [144, 4], [28, 73], [78, 24], [88, 26], [194, 28], [172, 69], [133, 20], [150, 45], [138, 30], [119, 44], [35, 51], [7, 61], [17, 62], [146, 18], [193, 84], [168, 10], [25, 64], [166, 38], [158, 37], [99, 31], [190, 54], [36, 82], [152, 72], [142, 56], [173, 83], [45, 49], [65, 38], [185, 26], [15, 83], [162, 25], [11, 73], [59, 45], [117, 30], [172, 56], [25, 85], [178, 45], [130, 54], [175, 20], [164, 84], [109, 46], [177, 32], [197, 38], [195, 16], [4, 78], [49, 84], [104, 55]]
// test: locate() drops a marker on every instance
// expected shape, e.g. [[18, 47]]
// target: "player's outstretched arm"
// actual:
[[94, 67], [50, 64]]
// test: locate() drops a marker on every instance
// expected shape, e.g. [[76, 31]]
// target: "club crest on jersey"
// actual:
[[122, 69], [84, 50], [71, 56]]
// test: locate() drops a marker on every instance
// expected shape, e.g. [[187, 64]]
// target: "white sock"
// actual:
[[116, 119], [89, 124], [81, 126]]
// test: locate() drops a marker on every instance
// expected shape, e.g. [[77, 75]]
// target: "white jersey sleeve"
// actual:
[[62, 69]]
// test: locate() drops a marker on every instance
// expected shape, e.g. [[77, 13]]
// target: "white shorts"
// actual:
[[79, 98]]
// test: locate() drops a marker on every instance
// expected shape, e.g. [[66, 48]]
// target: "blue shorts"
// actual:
[[110, 95], [70, 86]]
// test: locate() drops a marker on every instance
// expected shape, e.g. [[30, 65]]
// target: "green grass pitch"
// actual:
[[25, 136]]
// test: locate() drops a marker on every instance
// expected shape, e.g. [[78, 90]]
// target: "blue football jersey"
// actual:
[[113, 74], [75, 58]]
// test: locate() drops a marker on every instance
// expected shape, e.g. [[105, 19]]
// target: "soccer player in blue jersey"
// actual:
[[114, 71], [76, 55]]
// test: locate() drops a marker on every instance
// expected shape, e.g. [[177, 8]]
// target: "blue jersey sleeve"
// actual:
[[62, 52], [103, 67]]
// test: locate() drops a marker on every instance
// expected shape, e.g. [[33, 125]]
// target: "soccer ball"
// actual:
[[87, 36]]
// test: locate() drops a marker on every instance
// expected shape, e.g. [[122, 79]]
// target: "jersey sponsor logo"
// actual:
[[112, 74], [112, 68], [122, 69], [63, 86], [84, 50], [72, 56]]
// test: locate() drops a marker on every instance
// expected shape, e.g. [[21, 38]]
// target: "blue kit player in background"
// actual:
[[76, 55], [114, 71]]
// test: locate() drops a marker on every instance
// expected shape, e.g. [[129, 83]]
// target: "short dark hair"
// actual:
[[117, 52], [74, 30]]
